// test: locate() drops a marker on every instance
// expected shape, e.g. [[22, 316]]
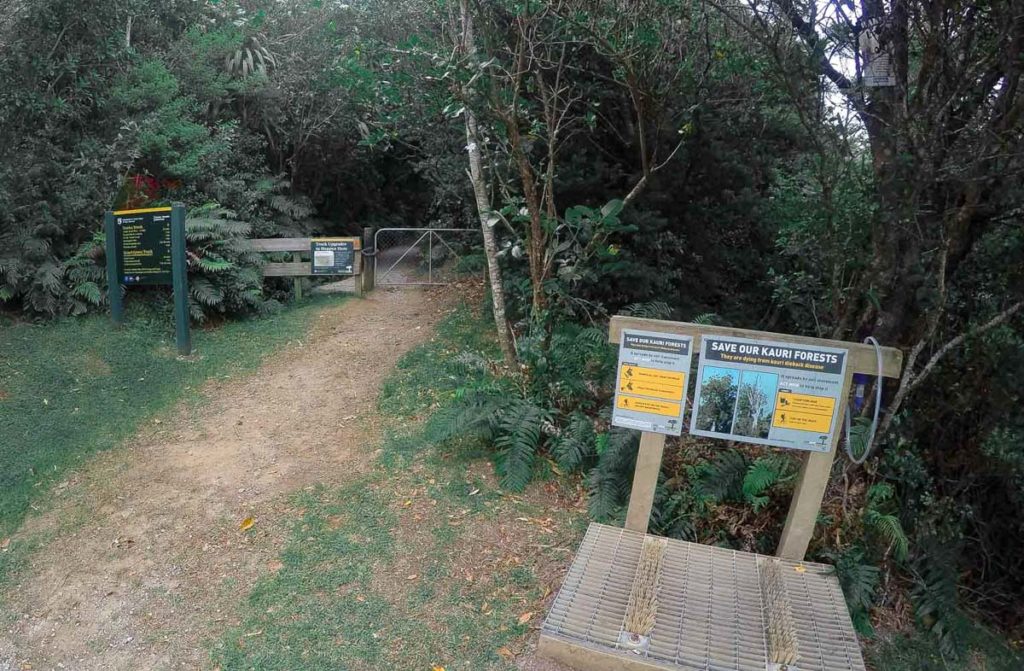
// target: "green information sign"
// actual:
[[143, 246], [334, 256], [148, 247]]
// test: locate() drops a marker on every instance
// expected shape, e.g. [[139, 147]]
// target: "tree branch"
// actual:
[[911, 380]]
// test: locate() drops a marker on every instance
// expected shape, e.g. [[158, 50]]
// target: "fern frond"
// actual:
[[935, 595], [474, 415], [890, 529], [723, 478], [605, 494], [205, 293], [576, 443], [212, 264], [90, 292], [706, 319], [518, 441], [651, 310]]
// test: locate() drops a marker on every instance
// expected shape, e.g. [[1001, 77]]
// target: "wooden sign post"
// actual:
[[830, 365]]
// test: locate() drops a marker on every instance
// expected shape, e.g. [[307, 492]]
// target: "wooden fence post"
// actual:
[[297, 282], [369, 266]]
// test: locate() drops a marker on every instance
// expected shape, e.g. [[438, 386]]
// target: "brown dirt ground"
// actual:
[[144, 539]]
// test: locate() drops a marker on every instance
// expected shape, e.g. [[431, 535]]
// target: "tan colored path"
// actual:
[[145, 560]]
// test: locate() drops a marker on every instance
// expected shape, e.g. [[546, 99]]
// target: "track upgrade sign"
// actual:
[[769, 393], [650, 387], [334, 256], [143, 246]]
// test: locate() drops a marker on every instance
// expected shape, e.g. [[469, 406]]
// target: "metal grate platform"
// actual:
[[711, 611]]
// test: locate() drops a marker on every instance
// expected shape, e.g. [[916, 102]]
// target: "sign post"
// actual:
[[147, 247], [179, 276], [114, 288]]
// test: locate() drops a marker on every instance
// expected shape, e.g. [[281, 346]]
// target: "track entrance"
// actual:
[[421, 256]]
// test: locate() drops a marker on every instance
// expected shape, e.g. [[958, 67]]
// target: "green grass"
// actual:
[[344, 598], [980, 649], [72, 387]]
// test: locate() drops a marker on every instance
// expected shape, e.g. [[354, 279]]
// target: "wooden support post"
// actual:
[[297, 282], [645, 481], [369, 265], [810, 490]]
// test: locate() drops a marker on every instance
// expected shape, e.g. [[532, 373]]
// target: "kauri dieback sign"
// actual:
[[769, 393], [650, 386]]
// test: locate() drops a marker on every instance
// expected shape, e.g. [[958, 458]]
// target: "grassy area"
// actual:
[[424, 562], [981, 650], [71, 387]]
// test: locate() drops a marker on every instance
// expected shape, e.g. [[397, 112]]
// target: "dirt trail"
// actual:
[[146, 561]]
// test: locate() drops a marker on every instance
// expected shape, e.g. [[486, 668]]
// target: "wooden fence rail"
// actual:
[[298, 268]]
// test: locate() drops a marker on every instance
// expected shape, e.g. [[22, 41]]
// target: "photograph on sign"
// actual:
[[769, 393], [650, 385], [143, 245], [334, 256]]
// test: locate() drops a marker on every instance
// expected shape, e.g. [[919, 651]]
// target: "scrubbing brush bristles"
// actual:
[[643, 597], [780, 630]]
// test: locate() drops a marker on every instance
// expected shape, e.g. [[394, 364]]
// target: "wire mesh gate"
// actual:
[[421, 256]]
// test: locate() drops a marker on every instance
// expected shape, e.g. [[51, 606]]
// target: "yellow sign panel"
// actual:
[[648, 405], [804, 412], [664, 384]]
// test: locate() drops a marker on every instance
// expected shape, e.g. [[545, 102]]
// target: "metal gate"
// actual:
[[420, 256]]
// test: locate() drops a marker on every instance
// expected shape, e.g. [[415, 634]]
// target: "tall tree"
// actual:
[[943, 130], [488, 219]]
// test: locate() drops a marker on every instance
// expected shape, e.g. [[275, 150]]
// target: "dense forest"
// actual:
[[706, 160]]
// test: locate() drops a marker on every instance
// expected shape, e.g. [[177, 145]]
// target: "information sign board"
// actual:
[[769, 393], [334, 256], [143, 246], [650, 386]]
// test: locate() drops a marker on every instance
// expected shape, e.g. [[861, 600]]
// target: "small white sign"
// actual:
[[323, 259]]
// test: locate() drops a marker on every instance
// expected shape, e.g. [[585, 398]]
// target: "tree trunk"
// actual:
[[483, 206]]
